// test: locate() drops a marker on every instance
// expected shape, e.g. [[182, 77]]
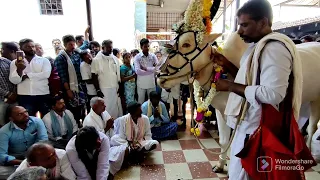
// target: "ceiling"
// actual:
[[180, 6]]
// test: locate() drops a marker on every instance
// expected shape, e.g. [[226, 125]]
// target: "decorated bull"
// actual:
[[192, 56]]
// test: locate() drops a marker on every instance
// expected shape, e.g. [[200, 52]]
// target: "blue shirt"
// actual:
[[14, 142], [156, 121]]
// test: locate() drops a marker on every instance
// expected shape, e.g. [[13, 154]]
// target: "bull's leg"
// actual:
[[313, 120], [224, 136]]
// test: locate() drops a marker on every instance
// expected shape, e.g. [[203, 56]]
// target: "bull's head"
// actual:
[[192, 48]]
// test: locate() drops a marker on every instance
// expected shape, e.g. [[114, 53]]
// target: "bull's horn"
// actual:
[[214, 8]]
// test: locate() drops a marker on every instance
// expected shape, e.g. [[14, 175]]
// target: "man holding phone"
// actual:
[[31, 72]]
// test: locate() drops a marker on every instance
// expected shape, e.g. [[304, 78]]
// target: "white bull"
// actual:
[[233, 50]]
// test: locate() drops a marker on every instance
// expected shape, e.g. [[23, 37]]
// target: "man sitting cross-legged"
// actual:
[[60, 123], [103, 122], [134, 131], [19, 134], [156, 111], [54, 160]]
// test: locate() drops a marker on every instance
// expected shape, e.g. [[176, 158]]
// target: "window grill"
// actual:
[[51, 7]]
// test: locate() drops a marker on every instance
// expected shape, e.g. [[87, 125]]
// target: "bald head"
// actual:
[[42, 154]]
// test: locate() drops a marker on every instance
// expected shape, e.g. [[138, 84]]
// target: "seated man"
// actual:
[[19, 134], [100, 119], [134, 131], [54, 160], [156, 111], [60, 123], [88, 153]]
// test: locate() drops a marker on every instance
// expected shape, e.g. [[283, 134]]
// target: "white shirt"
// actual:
[[145, 79], [47, 122], [63, 166], [93, 119], [275, 65], [110, 65], [80, 169], [38, 71], [86, 74]]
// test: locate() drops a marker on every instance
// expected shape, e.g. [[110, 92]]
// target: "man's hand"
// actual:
[[219, 58], [12, 98], [24, 77], [223, 85], [143, 68], [86, 33], [70, 94], [100, 94], [109, 124], [156, 113], [20, 65], [226, 85]]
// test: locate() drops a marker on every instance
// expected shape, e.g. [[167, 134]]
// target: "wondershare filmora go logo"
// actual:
[[264, 164]]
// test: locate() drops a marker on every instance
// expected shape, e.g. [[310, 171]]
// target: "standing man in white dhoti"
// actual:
[[105, 70], [100, 119], [269, 81], [134, 130]]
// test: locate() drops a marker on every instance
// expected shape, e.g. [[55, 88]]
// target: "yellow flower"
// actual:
[[218, 69], [208, 114], [199, 110], [213, 85], [192, 130], [220, 50], [197, 132]]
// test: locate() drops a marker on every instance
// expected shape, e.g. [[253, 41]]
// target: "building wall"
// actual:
[[112, 19]]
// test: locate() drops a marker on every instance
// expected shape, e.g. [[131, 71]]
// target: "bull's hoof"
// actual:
[[217, 169]]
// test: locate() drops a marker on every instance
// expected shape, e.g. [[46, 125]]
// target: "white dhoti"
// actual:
[[236, 172], [116, 140], [116, 157], [112, 102]]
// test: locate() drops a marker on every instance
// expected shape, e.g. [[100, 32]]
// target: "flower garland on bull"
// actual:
[[201, 22]]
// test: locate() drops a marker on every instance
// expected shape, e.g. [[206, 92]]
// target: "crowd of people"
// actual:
[[99, 107]]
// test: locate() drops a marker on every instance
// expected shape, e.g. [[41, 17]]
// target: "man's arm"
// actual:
[[15, 77], [276, 65], [47, 122], [65, 166], [77, 165], [155, 63], [137, 67], [45, 72], [85, 75], [147, 128], [144, 108], [95, 80], [103, 166], [164, 115], [86, 44], [41, 131], [62, 69], [6, 159], [74, 123]]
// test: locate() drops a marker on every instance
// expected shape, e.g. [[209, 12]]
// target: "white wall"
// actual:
[[112, 19]]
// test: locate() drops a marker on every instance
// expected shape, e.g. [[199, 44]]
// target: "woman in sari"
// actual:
[[128, 77]]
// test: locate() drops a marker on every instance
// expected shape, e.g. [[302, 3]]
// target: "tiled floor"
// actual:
[[184, 159]]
